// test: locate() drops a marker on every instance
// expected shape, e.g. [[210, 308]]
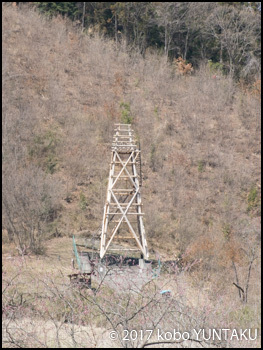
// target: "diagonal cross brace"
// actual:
[[116, 186], [124, 165], [124, 216], [126, 219]]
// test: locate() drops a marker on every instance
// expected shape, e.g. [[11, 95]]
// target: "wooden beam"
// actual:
[[123, 166]]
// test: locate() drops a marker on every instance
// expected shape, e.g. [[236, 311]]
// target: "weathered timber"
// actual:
[[123, 163]]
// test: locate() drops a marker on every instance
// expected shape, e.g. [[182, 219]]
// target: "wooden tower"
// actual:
[[123, 217]]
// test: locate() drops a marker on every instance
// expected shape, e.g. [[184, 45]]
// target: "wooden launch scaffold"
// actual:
[[123, 217]]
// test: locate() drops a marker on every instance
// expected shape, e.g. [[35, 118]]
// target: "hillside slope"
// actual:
[[200, 139], [63, 91]]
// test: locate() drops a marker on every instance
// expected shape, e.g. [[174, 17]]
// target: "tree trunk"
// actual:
[[237, 281], [166, 41], [186, 44], [116, 29], [83, 15], [221, 53]]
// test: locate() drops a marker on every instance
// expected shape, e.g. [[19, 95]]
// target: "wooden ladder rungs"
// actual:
[[123, 249], [117, 221], [124, 177], [123, 163], [139, 214], [121, 204]]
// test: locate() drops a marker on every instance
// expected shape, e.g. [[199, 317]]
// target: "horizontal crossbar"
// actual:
[[121, 163], [139, 214], [125, 176], [123, 249], [117, 221]]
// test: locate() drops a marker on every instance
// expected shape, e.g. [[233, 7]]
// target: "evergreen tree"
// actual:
[[227, 33], [69, 9]]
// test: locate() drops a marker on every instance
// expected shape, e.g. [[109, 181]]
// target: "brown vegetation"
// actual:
[[200, 140], [182, 67]]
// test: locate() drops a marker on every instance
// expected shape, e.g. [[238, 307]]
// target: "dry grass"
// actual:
[[199, 137]]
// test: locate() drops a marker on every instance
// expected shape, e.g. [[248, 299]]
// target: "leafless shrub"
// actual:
[[63, 314], [199, 138], [30, 202]]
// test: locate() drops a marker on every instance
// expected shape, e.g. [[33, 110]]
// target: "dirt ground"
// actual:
[[126, 277]]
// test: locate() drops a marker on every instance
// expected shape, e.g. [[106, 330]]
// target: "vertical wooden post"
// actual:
[[123, 208]]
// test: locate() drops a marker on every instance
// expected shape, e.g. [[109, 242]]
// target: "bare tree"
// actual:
[[168, 18], [120, 312], [243, 292], [238, 34], [30, 201]]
